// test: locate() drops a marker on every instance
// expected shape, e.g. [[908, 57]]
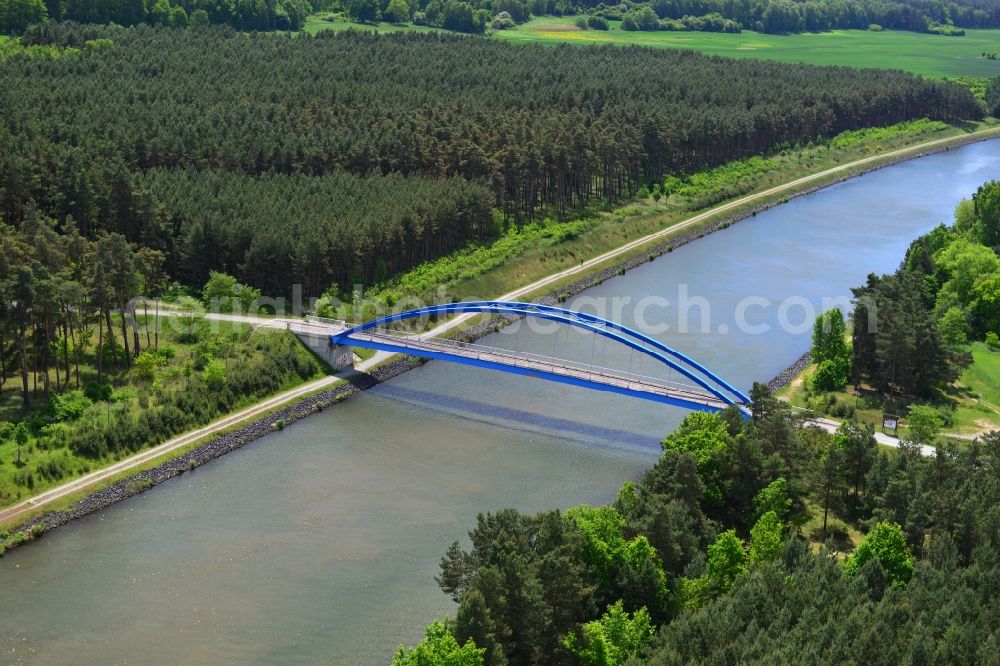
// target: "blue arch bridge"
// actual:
[[697, 388]]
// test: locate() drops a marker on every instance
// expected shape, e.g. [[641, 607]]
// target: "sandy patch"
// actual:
[[563, 27]]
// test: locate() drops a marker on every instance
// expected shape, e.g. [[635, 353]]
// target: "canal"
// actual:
[[321, 542]]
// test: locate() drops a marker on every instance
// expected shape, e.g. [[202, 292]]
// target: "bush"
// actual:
[[641, 19], [595, 22], [503, 21], [841, 410], [831, 375], [397, 11], [835, 529], [68, 406], [993, 341], [946, 29], [145, 365], [97, 392], [214, 373]]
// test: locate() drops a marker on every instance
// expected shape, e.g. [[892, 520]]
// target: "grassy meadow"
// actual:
[[335, 22], [930, 55], [978, 394]]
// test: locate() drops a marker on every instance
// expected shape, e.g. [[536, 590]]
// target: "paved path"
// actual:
[[885, 440], [438, 331]]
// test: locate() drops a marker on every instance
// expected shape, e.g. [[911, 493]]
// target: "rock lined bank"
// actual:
[[785, 377]]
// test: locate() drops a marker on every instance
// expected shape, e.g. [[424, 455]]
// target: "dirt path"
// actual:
[[256, 410]]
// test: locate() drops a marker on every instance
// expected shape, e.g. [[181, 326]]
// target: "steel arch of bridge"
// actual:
[[640, 342]]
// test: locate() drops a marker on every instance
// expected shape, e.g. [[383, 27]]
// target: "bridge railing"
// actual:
[[522, 359], [325, 321]]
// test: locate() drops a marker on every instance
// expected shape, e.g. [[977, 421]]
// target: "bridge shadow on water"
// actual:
[[521, 420]]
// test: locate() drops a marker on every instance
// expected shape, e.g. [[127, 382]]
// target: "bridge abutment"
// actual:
[[338, 357]]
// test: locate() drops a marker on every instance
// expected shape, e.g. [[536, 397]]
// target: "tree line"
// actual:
[[788, 16], [87, 135], [708, 557], [993, 96], [17, 15], [768, 16]]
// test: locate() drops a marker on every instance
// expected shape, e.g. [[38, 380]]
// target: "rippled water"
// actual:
[[320, 543]]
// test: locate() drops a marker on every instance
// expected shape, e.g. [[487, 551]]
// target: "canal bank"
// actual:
[[666, 242]]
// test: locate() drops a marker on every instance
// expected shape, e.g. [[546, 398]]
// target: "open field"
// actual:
[[979, 404], [930, 55], [318, 22]]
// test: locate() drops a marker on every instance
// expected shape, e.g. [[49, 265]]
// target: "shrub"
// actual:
[[145, 365], [841, 410], [923, 424], [993, 341], [597, 22], [835, 530], [641, 19], [214, 373], [946, 29], [397, 11], [68, 406], [831, 375], [503, 21], [97, 392]]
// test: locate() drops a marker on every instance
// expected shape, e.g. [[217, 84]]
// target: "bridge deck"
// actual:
[[542, 365]]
